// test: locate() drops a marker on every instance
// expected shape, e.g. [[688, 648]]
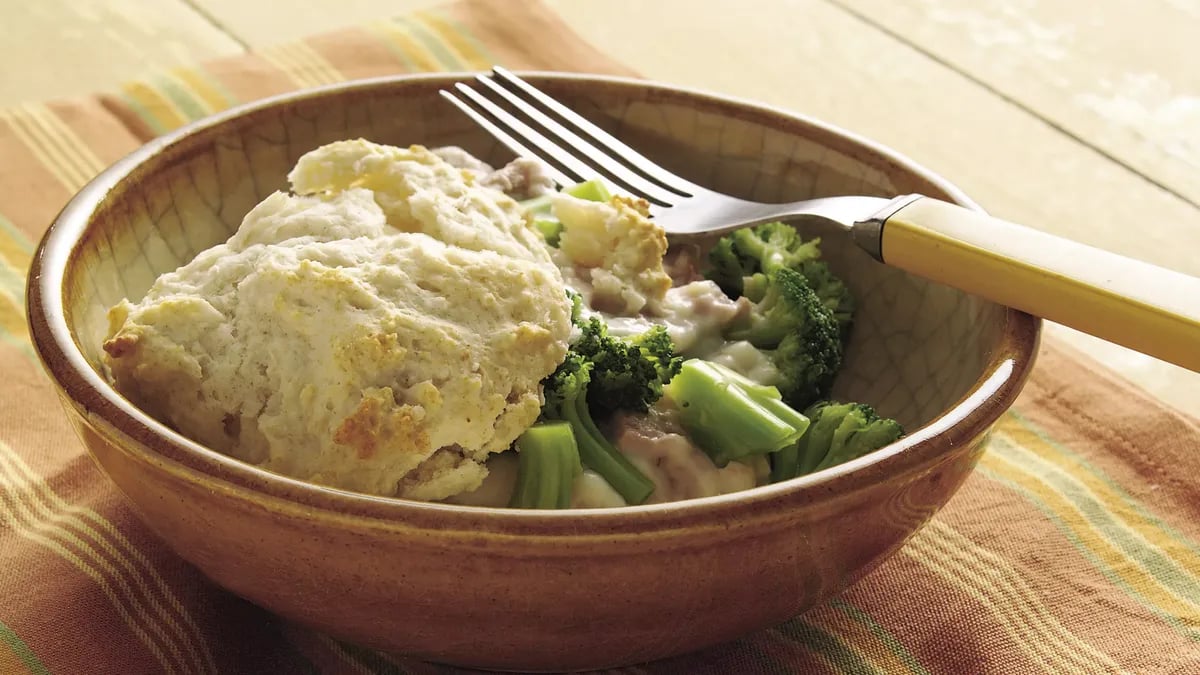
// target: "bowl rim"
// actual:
[[102, 406]]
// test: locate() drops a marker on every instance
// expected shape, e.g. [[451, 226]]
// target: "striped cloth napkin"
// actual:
[[1074, 548]]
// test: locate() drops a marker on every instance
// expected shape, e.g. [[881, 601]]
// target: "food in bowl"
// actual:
[[413, 323]]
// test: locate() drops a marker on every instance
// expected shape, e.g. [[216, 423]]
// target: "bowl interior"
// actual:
[[917, 347]]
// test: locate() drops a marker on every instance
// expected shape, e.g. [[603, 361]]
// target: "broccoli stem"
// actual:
[[548, 462], [797, 459], [540, 205], [812, 456], [600, 456], [765, 395], [785, 464], [550, 229], [543, 218], [731, 417], [591, 190]]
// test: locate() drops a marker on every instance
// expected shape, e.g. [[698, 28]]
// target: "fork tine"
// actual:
[[511, 143], [615, 169], [549, 149], [608, 141]]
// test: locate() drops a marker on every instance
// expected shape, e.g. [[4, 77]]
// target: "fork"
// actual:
[[1132, 303]]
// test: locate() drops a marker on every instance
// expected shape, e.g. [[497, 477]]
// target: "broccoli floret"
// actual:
[[731, 417], [658, 348], [798, 333], [727, 269], [566, 399], [562, 389], [839, 432], [807, 364], [763, 248], [576, 307], [775, 245], [600, 375], [856, 430], [627, 374], [547, 465], [740, 261], [786, 303], [833, 292]]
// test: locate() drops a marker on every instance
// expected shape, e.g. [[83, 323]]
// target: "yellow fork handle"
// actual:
[[1150, 309]]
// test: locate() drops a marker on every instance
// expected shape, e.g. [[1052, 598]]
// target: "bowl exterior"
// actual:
[[529, 603]]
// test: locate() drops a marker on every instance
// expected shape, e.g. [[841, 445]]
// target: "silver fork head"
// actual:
[[572, 147], [575, 150]]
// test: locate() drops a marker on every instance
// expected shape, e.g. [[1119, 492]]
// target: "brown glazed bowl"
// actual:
[[510, 589]]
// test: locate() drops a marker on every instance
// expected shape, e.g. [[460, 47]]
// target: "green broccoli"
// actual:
[[547, 465], [576, 307], [627, 374], [730, 416], [798, 333], [738, 258], [593, 190], [566, 400], [727, 269], [541, 208], [763, 248], [657, 347], [600, 375], [833, 292], [839, 432]]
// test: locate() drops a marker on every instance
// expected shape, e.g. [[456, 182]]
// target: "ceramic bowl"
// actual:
[[510, 589]]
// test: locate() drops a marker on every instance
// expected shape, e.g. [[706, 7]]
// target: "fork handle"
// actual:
[[1153, 310]]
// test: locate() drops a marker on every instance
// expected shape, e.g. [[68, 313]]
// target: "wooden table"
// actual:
[[1081, 120]]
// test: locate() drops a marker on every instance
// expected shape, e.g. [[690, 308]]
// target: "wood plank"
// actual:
[[60, 48], [1123, 75], [811, 57], [262, 23]]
